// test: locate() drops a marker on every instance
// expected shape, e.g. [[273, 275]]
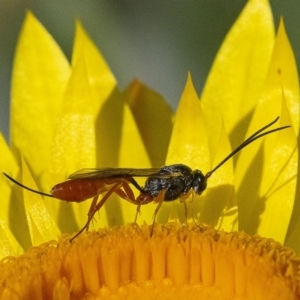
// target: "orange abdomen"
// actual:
[[78, 190]]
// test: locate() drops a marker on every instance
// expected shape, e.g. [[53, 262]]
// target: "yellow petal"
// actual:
[[119, 145], [133, 154], [217, 204], [154, 119], [278, 185], [278, 158], [132, 150], [109, 131], [109, 126], [11, 212], [266, 190], [90, 84], [40, 74], [189, 143], [41, 225], [101, 80], [8, 165], [236, 79], [8, 244], [282, 75], [74, 144]]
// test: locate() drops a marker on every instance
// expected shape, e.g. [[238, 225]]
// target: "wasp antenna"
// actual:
[[26, 187], [248, 141]]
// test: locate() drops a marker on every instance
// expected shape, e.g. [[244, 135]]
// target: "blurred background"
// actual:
[[157, 41]]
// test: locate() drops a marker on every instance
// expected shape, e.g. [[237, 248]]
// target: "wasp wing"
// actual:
[[121, 172]]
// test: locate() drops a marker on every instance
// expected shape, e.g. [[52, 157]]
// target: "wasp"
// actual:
[[167, 183]]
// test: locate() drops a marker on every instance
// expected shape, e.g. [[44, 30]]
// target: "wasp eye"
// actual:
[[199, 182]]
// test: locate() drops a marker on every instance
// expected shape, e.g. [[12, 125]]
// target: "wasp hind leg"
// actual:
[[96, 207], [137, 186], [90, 217]]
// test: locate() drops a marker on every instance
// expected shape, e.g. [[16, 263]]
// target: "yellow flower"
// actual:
[[65, 117], [177, 262]]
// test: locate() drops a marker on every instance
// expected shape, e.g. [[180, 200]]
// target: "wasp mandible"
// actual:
[[162, 184]]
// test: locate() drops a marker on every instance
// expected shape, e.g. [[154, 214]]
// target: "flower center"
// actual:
[[175, 263]]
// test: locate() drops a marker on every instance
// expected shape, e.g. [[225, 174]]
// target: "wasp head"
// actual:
[[199, 182]]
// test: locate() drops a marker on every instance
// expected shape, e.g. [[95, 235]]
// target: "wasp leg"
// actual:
[[182, 199], [138, 211], [95, 207], [90, 217], [192, 208], [185, 211], [159, 199], [129, 195], [134, 183], [90, 213]]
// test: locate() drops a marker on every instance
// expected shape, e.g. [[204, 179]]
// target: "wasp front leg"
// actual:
[[182, 199]]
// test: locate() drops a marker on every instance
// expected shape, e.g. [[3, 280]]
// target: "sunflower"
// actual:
[[69, 116]]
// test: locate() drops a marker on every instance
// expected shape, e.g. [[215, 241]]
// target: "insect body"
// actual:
[[163, 184], [181, 179]]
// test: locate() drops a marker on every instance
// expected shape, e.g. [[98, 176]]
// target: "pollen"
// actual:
[[176, 262]]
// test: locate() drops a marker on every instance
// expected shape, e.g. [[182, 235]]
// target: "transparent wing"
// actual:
[[122, 172]]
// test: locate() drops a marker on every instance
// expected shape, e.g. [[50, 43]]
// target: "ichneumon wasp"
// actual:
[[162, 184]]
